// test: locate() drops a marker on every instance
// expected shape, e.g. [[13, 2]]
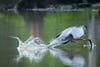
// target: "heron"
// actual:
[[72, 34]]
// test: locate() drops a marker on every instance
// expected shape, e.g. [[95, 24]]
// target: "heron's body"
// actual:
[[75, 32]]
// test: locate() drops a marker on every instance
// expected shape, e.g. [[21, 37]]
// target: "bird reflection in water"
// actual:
[[68, 58], [35, 49]]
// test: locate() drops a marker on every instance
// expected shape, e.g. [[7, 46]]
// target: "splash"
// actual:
[[32, 48], [35, 49]]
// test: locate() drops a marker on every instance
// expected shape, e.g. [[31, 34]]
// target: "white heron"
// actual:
[[69, 34], [72, 34]]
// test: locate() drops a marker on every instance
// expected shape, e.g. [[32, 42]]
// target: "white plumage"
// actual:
[[75, 32]]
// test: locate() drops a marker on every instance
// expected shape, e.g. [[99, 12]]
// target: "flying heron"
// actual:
[[74, 33]]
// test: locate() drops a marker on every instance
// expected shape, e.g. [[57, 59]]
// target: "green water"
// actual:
[[12, 24]]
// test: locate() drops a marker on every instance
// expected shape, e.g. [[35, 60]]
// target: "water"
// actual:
[[36, 30], [34, 49]]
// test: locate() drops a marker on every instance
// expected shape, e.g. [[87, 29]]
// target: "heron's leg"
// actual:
[[74, 40], [90, 46]]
